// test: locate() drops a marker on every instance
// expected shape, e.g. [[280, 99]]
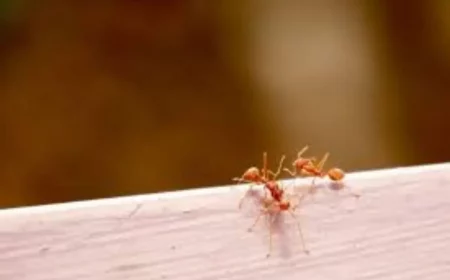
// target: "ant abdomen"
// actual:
[[336, 174]]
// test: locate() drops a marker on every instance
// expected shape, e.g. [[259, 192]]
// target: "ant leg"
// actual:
[[299, 230], [322, 161], [241, 180], [292, 173], [241, 201], [238, 180], [319, 167], [265, 198], [264, 169], [297, 201], [255, 222], [270, 237], [262, 212], [269, 172], [299, 155], [313, 180], [302, 151], [280, 165], [312, 188], [266, 194]]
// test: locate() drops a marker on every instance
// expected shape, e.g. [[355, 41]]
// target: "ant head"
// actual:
[[336, 174], [252, 174], [272, 185], [284, 205]]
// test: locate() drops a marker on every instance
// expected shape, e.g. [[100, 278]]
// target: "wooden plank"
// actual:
[[398, 229]]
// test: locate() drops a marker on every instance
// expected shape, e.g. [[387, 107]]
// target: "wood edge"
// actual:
[[136, 199]]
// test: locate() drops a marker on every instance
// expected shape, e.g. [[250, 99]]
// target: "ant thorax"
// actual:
[[299, 164], [275, 191]]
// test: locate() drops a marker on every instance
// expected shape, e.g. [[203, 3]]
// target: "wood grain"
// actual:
[[398, 229]]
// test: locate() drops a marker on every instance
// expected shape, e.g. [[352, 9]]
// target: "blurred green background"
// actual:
[[107, 98]]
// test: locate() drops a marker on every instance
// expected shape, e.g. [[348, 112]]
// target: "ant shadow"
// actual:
[[338, 188], [280, 229], [334, 194], [274, 223], [255, 196]]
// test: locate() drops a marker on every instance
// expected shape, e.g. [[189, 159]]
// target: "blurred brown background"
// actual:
[[107, 98]]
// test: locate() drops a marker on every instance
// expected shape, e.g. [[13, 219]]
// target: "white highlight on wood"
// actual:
[[398, 229]]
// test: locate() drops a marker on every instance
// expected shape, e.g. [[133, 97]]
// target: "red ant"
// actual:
[[274, 204], [300, 163], [308, 167], [271, 207], [254, 176]]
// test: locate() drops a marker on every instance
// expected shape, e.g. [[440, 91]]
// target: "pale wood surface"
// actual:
[[398, 229]]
